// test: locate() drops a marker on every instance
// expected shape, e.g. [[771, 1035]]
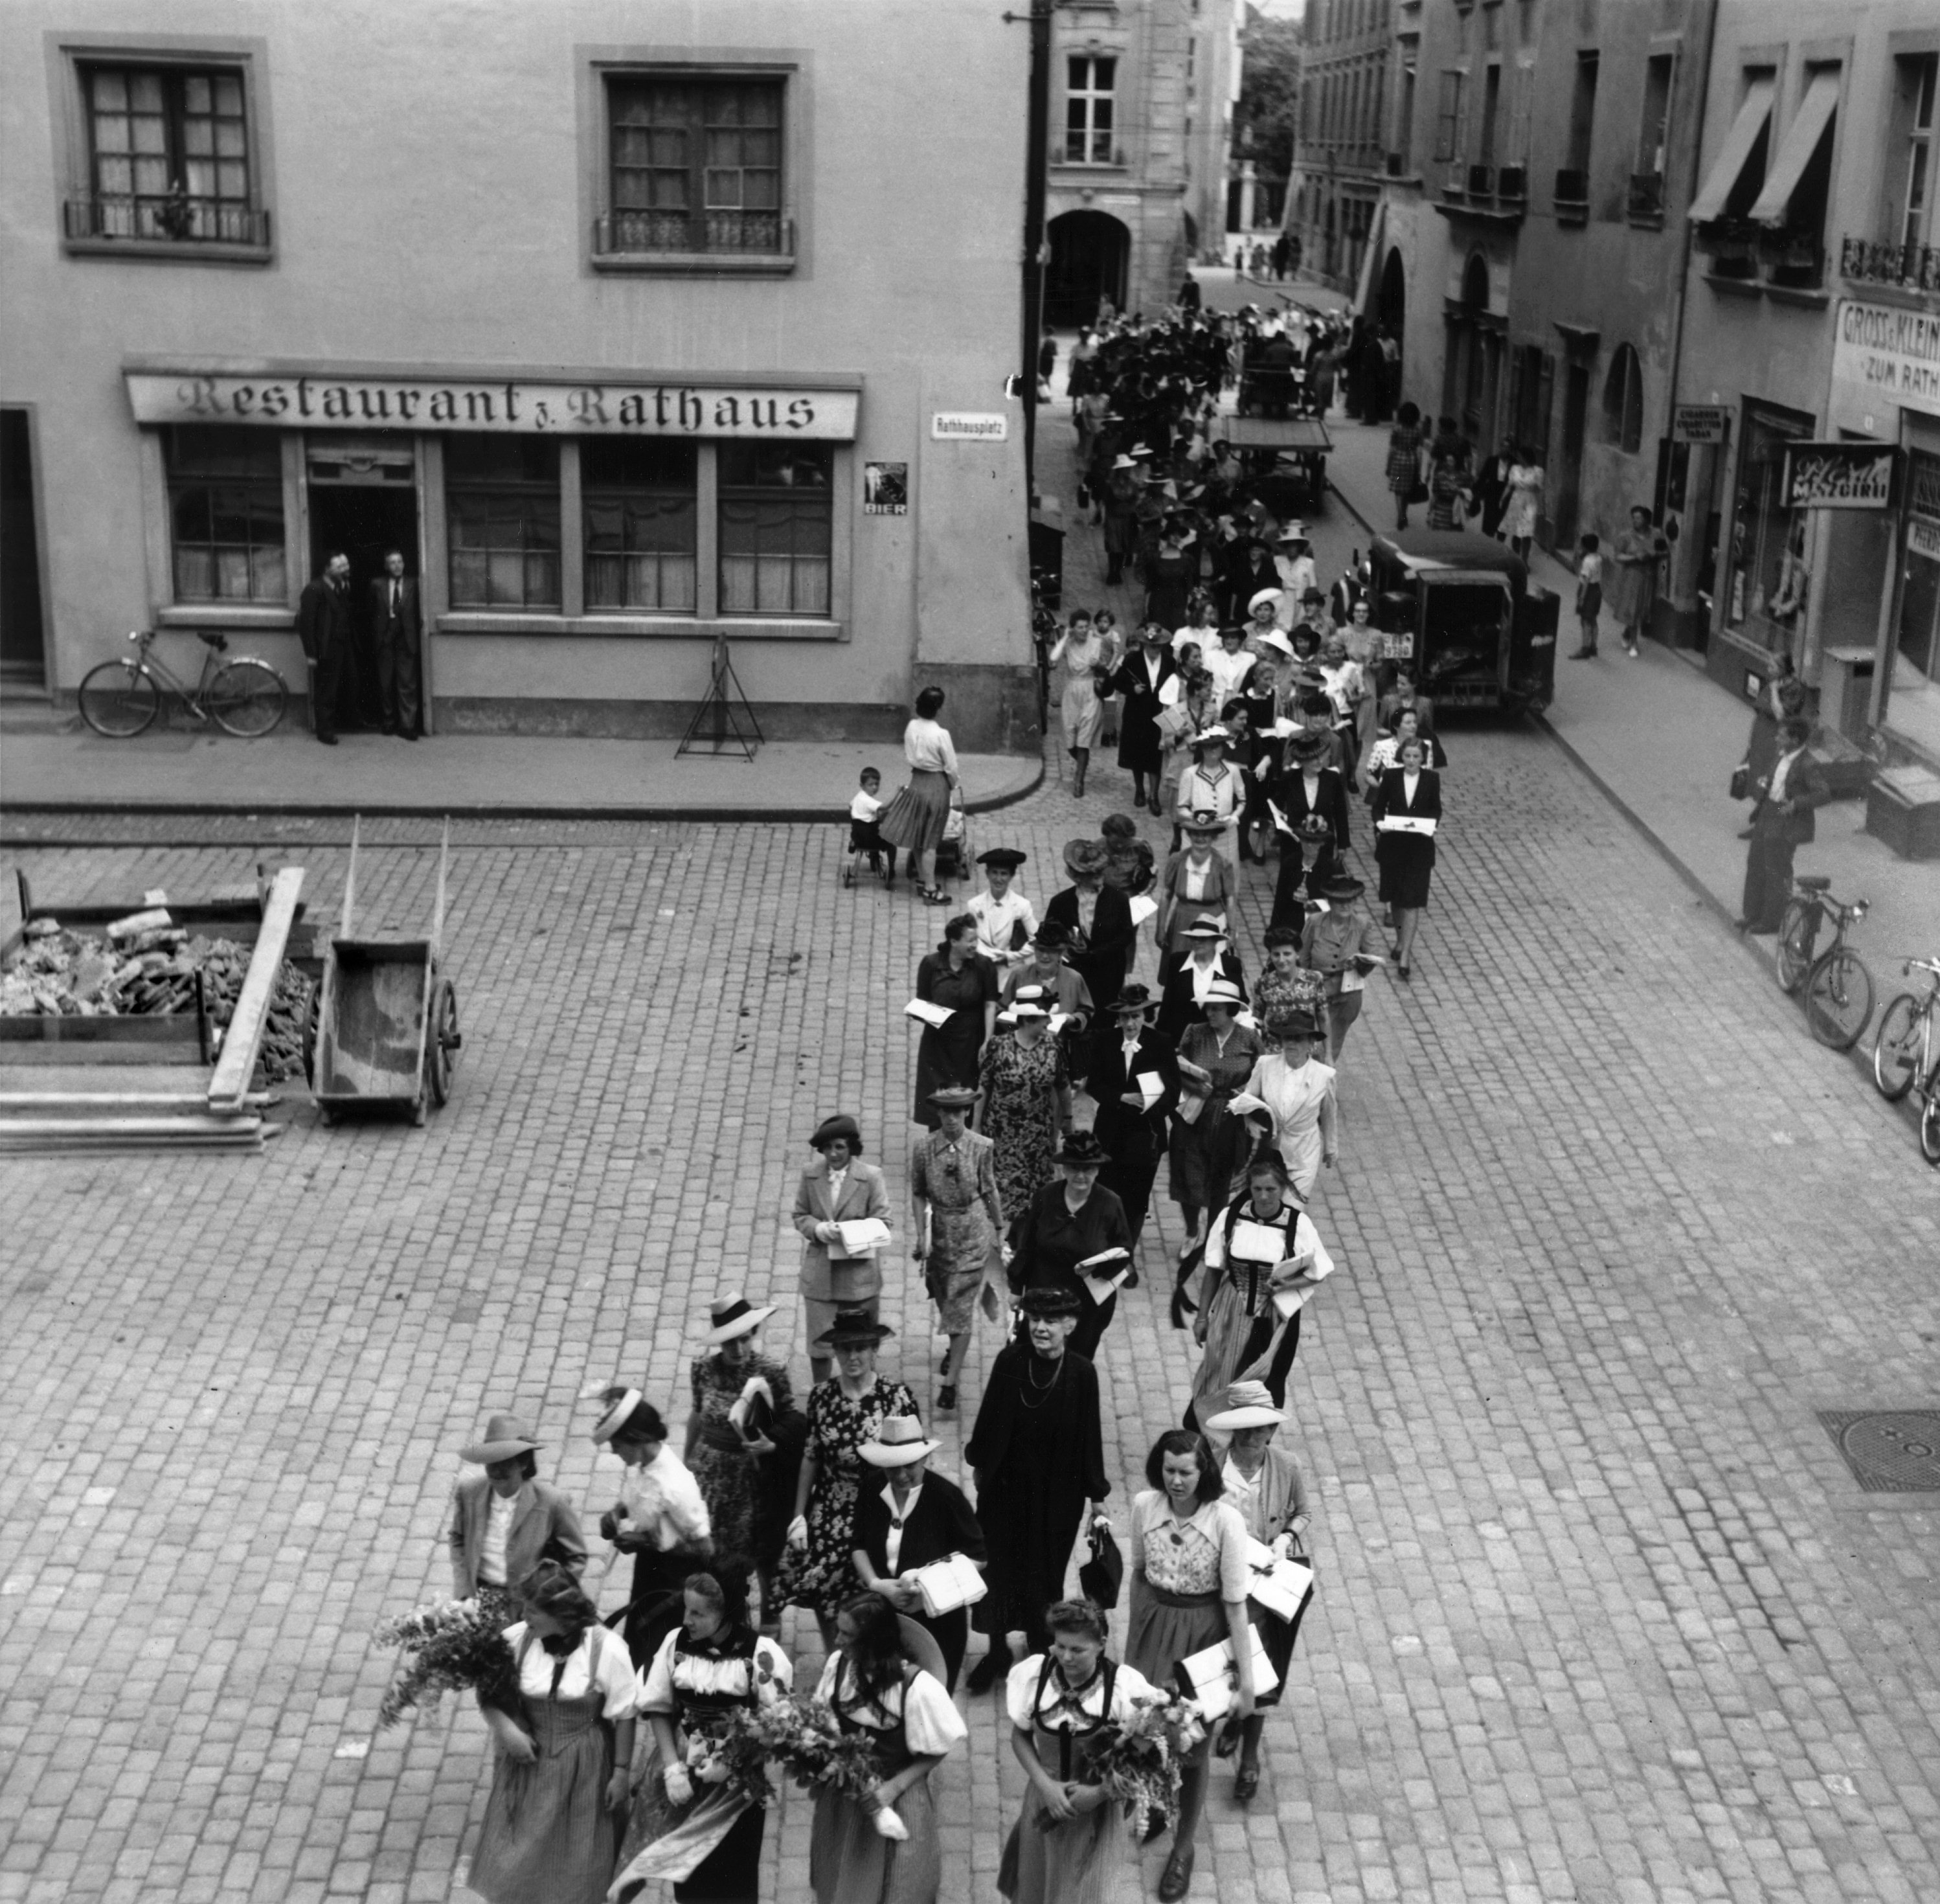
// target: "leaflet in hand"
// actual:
[[1290, 1302], [931, 1014], [1152, 1087], [1243, 1103], [1106, 1271], [1280, 1586], [1257, 1243], [1142, 909], [1407, 823], [861, 1236], [948, 1584], [1210, 1678]]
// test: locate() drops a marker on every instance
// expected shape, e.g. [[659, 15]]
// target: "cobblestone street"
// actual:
[[1603, 1615]]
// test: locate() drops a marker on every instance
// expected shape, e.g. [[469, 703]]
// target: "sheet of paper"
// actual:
[[1189, 1107], [1101, 1288], [1257, 1243], [930, 1014], [1106, 1256], [1407, 823], [1290, 1302], [1142, 909], [1057, 1022], [1152, 1087], [1214, 1679], [861, 1236], [948, 1584], [1244, 1103], [1279, 1586]]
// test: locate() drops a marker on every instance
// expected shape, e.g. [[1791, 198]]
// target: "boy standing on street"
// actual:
[[1589, 596]]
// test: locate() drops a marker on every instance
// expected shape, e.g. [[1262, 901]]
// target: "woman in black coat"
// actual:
[[1407, 814], [1132, 1131], [1138, 678]]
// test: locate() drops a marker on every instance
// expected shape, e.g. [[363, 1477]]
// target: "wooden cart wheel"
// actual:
[[446, 1040]]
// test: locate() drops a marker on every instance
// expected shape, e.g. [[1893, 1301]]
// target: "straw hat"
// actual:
[[505, 1435], [1248, 1405], [898, 1442], [733, 1316]]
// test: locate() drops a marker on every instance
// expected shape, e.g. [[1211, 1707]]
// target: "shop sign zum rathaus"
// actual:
[[1885, 355]]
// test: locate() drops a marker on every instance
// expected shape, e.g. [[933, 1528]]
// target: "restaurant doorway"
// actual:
[[360, 506]]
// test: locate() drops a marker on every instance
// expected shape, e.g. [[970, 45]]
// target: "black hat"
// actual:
[[1134, 998], [1008, 859], [851, 1326], [1342, 886], [1081, 1147], [830, 1128], [1052, 933], [1049, 1299]]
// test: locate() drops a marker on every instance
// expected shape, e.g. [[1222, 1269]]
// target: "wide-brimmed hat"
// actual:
[[830, 1128], [1133, 998], [1005, 858], [954, 1097], [1052, 934], [1124, 462], [1223, 991], [1273, 638], [1248, 1405], [1049, 1299], [1306, 743], [1206, 735], [1207, 925], [1342, 886], [898, 1442], [505, 1435], [1081, 1147], [732, 1315], [1140, 450], [851, 1326], [1203, 823], [1085, 858], [1272, 595], [1294, 531]]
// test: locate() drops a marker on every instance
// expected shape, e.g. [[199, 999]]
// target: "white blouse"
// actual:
[[602, 1663], [662, 1499], [996, 922], [670, 1674], [1063, 1711], [932, 1724], [928, 748]]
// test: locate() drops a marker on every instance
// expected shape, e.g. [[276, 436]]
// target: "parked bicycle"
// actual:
[[1906, 1056], [242, 695], [1838, 987]]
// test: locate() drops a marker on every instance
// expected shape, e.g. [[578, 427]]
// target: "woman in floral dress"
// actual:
[[1286, 985], [843, 1412], [734, 1456], [1025, 1085]]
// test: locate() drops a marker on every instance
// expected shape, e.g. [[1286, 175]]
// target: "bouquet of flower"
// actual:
[[733, 1761], [451, 1646], [1139, 1761], [800, 1734]]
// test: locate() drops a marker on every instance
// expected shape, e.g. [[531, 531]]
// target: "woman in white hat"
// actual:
[[744, 1425], [1197, 883], [1209, 960], [504, 1521], [915, 1519], [957, 1220], [1265, 1484], [1214, 785]]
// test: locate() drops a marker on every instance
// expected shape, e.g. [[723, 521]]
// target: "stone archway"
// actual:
[[1089, 251]]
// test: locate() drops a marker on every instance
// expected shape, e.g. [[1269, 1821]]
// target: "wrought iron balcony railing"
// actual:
[[174, 220], [1911, 267], [736, 234]]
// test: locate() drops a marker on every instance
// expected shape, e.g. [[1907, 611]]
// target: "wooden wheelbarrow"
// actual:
[[386, 1024]]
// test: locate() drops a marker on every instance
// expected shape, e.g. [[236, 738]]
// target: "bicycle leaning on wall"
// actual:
[[242, 695], [1838, 988], [1906, 1056]]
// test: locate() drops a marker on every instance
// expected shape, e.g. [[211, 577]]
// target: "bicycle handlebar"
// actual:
[[1912, 965]]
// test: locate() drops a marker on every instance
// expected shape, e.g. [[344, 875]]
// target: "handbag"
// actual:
[[1101, 1576], [1741, 780]]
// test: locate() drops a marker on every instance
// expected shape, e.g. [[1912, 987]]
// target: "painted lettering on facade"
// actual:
[[1839, 475], [518, 407], [1888, 353]]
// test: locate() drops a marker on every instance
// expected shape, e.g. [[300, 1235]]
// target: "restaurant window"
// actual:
[[1090, 86], [695, 167], [1762, 595], [1623, 400], [501, 495], [640, 499], [775, 528], [226, 513], [168, 158]]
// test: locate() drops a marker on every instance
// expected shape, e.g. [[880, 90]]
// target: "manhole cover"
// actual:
[[1890, 1450]]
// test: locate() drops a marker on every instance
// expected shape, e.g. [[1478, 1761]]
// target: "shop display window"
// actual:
[[502, 501], [1768, 582], [641, 505], [226, 514]]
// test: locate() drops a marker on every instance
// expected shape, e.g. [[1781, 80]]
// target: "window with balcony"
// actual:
[[695, 168], [1901, 251], [502, 507], [1482, 172], [1089, 106], [1646, 192], [168, 158], [640, 500], [1623, 400], [226, 513], [775, 528]]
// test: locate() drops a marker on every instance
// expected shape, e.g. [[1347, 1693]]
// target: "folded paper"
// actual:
[[946, 1584]]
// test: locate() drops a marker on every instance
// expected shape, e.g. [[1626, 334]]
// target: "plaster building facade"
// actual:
[[1334, 197], [614, 321], [1141, 104]]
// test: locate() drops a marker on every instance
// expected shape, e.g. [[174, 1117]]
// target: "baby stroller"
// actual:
[[953, 854]]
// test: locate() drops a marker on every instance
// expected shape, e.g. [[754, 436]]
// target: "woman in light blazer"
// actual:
[[1407, 814], [839, 1188], [504, 1521]]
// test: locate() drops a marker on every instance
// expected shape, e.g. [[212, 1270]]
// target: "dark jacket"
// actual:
[[1178, 1007], [1048, 1242], [410, 610], [942, 1523], [1135, 1139], [1102, 963], [1791, 818], [1074, 1470], [323, 619], [1287, 792], [1391, 796]]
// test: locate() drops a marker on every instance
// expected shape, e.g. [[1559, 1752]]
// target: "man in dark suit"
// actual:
[[1097, 917], [1133, 1131], [1308, 805], [397, 635], [323, 622], [1782, 822]]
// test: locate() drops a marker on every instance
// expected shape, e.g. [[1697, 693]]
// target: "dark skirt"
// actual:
[[731, 1872], [1168, 1628], [1030, 1526], [1406, 861], [1277, 1637], [946, 1054], [915, 817]]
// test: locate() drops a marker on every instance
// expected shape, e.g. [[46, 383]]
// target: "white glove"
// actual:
[[679, 1787], [714, 1769], [1283, 1546], [797, 1533], [888, 1826]]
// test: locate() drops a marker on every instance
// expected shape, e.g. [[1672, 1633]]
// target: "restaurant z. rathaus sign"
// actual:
[[517, 405]]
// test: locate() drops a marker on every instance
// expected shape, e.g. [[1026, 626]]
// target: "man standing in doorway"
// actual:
[[397, 634], [323, 621]]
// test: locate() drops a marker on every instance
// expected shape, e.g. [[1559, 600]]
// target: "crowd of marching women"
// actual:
[[1053, 1084]]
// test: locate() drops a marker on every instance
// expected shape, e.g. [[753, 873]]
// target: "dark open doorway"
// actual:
[[23, 623], [1569, 472], [365, 522], [1089, 251]]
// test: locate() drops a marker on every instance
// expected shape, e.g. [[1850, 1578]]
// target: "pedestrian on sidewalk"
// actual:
[[1589, 595], [917, 817], [1404, 463], [1525, 503], [1639, 552], [1783, 700], [1083, 654], [1782, 822]]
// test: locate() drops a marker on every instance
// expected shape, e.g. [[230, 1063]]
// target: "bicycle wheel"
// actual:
[[1929, 1122], [247, 698], [1797, 929], [1839, 999], [117, 699], [1896, 1050]]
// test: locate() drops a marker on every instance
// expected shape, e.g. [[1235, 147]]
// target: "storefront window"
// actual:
[[501, 495], [1765, 598], [1913, 690], [226, 514], [775, 529], [640, 505]]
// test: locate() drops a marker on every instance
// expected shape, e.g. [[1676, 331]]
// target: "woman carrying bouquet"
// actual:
[[1190, 1580], [558, 1807], [1069, 1845], [712, 1665], [883, 1850]]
